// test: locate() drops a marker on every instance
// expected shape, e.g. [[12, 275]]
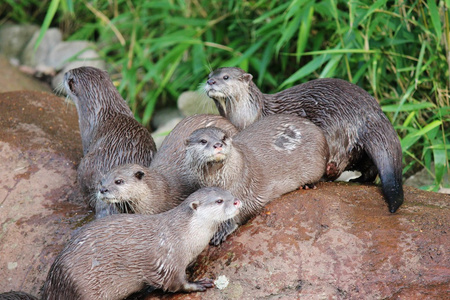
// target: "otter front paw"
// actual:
[[225, 229], [308, 186], [198, 286]]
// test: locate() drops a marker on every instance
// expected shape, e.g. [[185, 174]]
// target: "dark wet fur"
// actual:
[[17, 296], [359, 135], [110, 135]]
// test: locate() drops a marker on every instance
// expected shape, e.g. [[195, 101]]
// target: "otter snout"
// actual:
[[218, 146], [103, 190], [211, 81]]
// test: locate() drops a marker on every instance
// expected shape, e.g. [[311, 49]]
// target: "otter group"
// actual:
[[210, 175]]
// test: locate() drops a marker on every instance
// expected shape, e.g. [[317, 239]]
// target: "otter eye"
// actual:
[[224, 138], [203, 142], [226, 77], [118, 181], [219, 201]]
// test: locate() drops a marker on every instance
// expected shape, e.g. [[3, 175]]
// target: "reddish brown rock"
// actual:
[[11, 79], [40, 146], [336, 242]]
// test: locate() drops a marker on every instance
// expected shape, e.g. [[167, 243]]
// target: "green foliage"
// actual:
[[396, 50]]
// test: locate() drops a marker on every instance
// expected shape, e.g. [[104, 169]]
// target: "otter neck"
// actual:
[[218, 174], [246, 107], [92, 113], [158, 199]]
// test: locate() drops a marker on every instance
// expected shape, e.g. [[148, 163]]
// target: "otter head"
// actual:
[[236, 96], [124, 186], [92, 91], [209, 145], [227, 84], [213, 204]]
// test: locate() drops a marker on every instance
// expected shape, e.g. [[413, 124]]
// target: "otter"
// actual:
[[109, 133], [119, 255], [269, 158], [359, 135], [133, 188]]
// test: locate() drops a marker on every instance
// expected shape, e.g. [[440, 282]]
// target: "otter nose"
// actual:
[[218, 145], [210, 81], [103, 190]]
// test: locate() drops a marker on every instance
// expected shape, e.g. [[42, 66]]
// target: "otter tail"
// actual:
[[383, 147]]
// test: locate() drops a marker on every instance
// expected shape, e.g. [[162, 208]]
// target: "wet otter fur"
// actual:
[[118, 255], [166, 183], [359, 135], [109, 133], [269, 158]]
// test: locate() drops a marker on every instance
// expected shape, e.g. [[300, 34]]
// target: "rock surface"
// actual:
[[196, 102], [40, 147], [14, 38], [32, 57], [11, 79]]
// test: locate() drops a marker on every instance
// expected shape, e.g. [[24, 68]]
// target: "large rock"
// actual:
[[31, 57], [13, 38], [11, 79], [196, 102], [40, 148], [70, 55], [336, 242]]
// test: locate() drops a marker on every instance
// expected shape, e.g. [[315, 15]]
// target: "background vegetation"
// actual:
[[396, 50]]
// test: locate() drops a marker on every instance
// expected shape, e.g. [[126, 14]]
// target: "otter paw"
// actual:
[[225, 229], [309, 186], [332, 171], [199, 286]]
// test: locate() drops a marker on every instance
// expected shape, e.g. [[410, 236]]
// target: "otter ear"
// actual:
[[247, 77], [194, 205], [139, 175]]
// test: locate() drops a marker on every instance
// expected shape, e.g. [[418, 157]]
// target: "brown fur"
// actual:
[[273, 156], [110, 135], [166, 183], [116, 256], [359, 135]]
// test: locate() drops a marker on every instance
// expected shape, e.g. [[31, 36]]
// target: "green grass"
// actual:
[[396, 50]]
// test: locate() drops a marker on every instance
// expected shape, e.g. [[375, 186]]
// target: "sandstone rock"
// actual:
[[40, 147], [336, 242], [71, 55], [31, 57], [195, 102], [11, 79], [424, 178], [64, 52], [160, 134], [164, 116], [14, 38]]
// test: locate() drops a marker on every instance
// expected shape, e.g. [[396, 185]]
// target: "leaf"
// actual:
[[46, 24], [411, 138], [306, 70], [407, 107], [435, 19]]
